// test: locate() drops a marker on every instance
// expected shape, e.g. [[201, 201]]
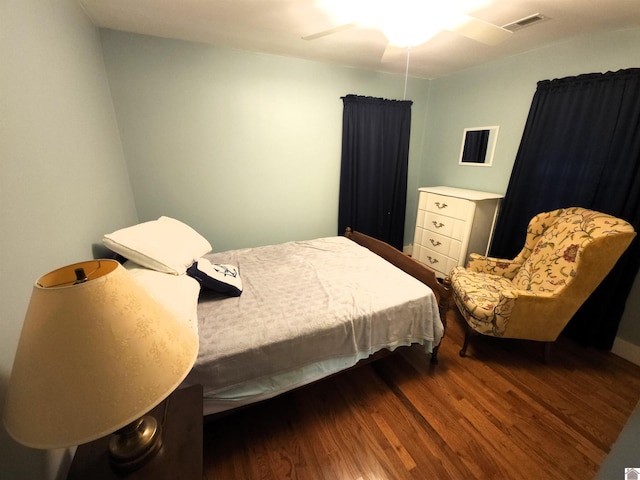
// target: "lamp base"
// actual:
[[135, 444]]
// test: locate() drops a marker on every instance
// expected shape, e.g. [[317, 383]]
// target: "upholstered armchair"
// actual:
[[567, 253]]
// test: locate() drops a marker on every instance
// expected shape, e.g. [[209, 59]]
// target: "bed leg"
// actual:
[[434, 355]]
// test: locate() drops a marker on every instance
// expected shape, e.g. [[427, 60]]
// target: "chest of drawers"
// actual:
[[451, 223]]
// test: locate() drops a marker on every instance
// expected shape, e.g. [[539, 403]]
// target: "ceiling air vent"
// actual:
[[525, 22]]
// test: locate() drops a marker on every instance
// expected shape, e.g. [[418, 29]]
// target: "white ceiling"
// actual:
[[277, 27]]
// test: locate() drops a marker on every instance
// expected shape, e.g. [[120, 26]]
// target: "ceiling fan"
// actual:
[[407, 28], [409, 23]]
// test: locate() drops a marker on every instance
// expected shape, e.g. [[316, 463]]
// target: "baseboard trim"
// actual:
[[627, 350]]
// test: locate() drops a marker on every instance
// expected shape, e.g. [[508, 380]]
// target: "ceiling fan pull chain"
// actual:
[[406, 74]]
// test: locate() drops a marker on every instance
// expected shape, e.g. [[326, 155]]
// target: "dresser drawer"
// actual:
[[445, 226], [439, 243], [420, 218], [434, 260], [448, 206]]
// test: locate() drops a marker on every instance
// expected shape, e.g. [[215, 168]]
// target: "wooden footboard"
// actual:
[[442, 290]]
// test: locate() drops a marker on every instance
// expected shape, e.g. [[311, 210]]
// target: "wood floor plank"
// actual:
[[499, 413], [432, 451]]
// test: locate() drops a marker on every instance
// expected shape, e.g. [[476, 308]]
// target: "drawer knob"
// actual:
[[432, 260], [435, 243], [437, 224], [441, 205]]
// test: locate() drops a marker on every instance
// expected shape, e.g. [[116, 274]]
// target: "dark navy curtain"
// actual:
[[373, 175], [580, 147]]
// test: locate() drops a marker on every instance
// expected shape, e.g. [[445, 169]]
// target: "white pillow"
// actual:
[[218, 277], [166, 245], [178, 293]]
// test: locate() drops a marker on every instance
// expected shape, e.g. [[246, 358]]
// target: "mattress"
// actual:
[[308, 309]]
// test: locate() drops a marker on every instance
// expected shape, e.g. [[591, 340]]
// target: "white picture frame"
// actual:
[[478, 146]]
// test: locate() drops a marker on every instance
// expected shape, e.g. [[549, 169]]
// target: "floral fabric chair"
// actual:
[[567, 253]]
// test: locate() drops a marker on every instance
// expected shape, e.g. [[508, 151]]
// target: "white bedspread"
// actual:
[[322, 302]]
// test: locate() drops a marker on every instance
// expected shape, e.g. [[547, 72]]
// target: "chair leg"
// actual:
[[467, 334]]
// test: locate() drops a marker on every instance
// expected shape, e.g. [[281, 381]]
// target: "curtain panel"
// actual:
[[373, 175], [580, 147]]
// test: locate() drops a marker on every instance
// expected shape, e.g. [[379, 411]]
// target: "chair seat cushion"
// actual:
[[477, 295]]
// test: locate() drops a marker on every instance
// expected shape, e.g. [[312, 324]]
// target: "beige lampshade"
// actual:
[[92, 357]]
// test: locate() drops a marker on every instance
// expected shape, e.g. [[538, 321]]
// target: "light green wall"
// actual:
[[63, 179], [500, 93], [244, 147]]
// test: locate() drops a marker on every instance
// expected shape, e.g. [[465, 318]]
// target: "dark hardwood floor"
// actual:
[[500, 413]]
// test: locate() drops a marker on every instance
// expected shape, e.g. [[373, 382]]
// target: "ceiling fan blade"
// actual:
[[480, 31], [331, 31]]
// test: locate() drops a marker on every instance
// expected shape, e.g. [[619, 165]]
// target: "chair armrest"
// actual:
[[531, 315], [494, 266]]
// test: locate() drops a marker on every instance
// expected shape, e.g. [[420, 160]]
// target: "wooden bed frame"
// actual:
[[442, 290]]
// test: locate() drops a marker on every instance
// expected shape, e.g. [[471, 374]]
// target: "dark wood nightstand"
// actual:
[[180, 457]]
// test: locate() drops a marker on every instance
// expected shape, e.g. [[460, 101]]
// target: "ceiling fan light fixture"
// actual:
[[378, 13], [409, 34], [415, 23], [409, 23], [404, 39]]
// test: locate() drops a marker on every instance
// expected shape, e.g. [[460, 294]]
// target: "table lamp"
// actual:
[[96, 353]]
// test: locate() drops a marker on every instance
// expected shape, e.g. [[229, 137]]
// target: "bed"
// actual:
[[274, 318]]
